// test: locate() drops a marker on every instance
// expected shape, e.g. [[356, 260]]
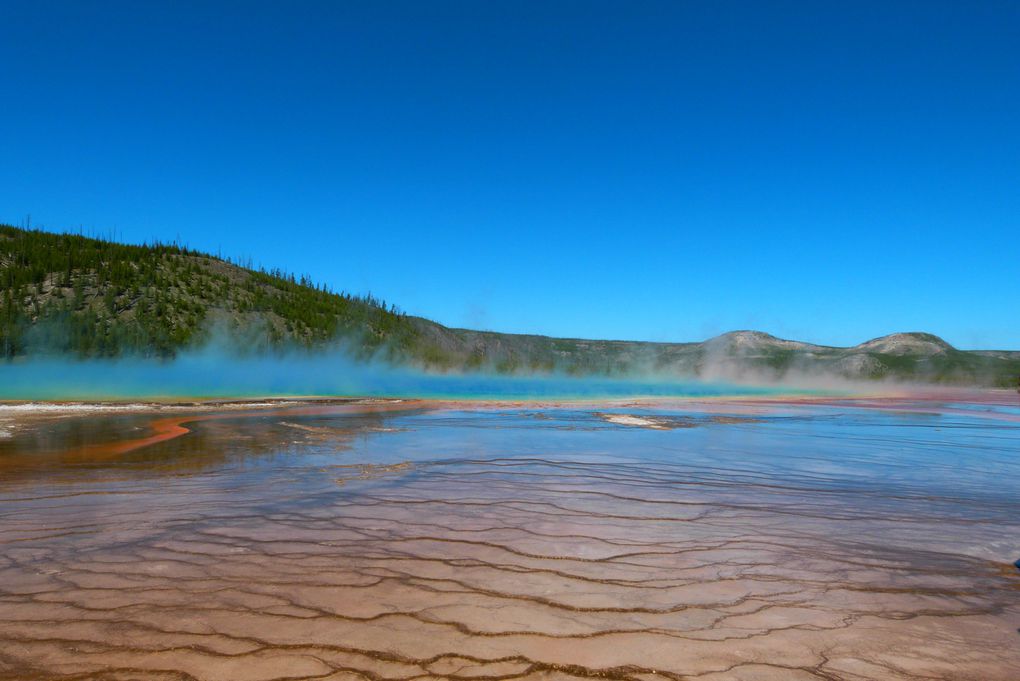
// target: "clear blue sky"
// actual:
[[829, 171]]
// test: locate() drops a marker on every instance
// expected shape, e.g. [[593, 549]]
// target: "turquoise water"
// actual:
[[219, 376]]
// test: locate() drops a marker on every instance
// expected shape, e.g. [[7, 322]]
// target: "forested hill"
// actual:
[[75, 296], [70, 294]]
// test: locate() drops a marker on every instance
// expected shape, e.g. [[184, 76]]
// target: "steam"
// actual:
[[214, 372], [229, 366]]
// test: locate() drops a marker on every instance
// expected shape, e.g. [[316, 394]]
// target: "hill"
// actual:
[[69, 294], [72, 295]]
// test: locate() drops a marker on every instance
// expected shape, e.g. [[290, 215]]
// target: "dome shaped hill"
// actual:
[[753, 342], [924, 344]]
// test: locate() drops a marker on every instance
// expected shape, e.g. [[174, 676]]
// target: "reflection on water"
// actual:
[[64, 449], [799, 542]]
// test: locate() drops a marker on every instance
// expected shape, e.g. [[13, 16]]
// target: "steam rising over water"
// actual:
[[215, 374]]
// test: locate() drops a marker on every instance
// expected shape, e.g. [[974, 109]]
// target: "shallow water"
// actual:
[[735, 541]]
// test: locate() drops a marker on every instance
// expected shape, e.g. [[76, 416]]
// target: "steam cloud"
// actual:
[[217, 373]]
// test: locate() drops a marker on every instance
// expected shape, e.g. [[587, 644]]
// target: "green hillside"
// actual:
[[71, 295], [87, 297]]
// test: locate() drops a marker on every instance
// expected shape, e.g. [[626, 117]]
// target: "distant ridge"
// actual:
[[75, 296]]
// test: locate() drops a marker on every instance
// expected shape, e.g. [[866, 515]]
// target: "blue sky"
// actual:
[[661, 171]]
